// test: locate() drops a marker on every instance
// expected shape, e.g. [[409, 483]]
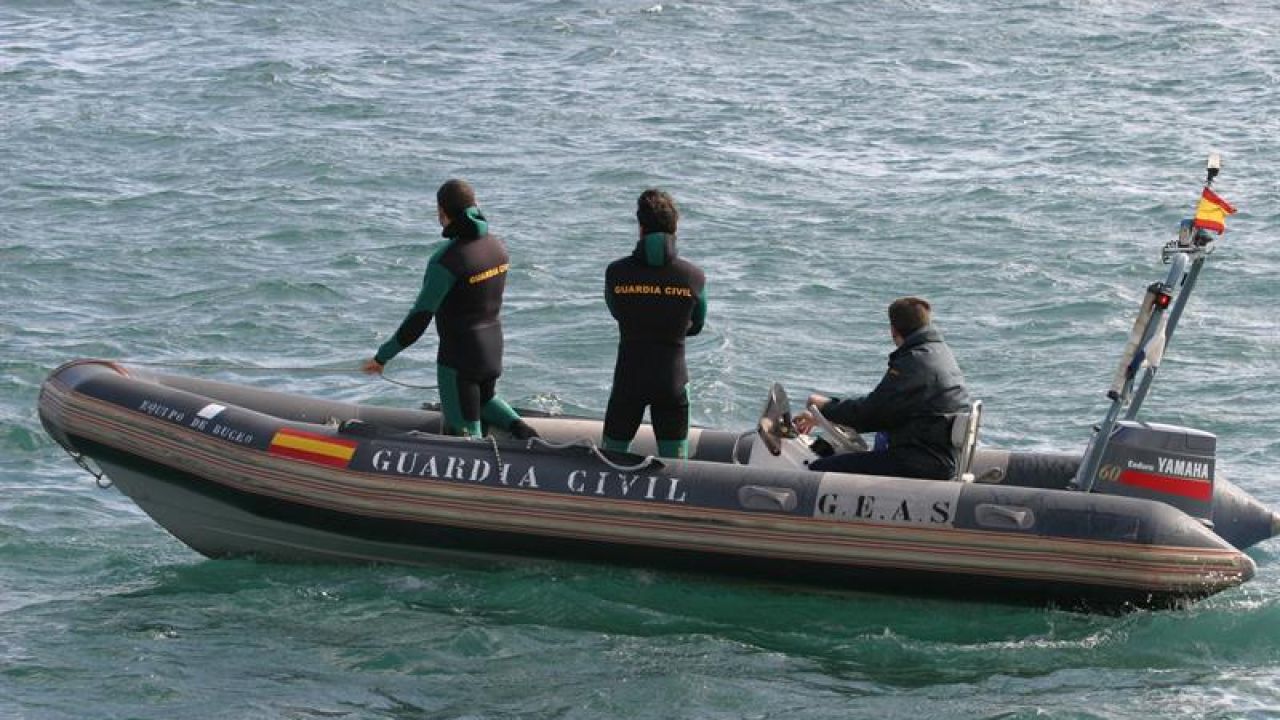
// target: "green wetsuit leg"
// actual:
[[498, 413], [451, 404], [674, 448]]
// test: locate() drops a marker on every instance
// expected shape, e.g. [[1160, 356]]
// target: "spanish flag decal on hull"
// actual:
[[312, 447]]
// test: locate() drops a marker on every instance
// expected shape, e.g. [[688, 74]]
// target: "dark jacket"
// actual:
[[912, 404], [462, 289], [658, 299]]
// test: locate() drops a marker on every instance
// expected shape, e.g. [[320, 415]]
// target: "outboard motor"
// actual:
[[1172, 464]]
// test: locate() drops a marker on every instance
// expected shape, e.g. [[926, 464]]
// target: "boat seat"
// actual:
[[964, 438]]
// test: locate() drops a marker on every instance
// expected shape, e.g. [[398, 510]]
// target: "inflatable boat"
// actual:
[[1140, 518]]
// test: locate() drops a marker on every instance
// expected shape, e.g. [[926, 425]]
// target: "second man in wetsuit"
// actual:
[[658, 299], [462, 289]]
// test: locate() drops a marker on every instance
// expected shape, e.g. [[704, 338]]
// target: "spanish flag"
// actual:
[[313, 447], [1212, 212]]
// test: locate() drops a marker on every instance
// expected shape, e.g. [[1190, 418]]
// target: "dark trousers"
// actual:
[[669, 416]]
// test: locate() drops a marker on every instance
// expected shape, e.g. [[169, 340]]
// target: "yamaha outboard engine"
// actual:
[[1172, 464]]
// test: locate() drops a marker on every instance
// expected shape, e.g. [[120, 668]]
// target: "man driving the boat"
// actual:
[[658, 299], [913, 405], [462, 289]]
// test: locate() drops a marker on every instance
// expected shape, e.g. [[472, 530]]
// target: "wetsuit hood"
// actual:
[[656, 249], [470, 226]]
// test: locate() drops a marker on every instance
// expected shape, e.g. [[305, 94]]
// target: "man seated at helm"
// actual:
[[913, 405]]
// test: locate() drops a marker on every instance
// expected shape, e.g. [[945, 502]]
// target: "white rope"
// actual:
[[589, 443], [646, 462], [497, 456]]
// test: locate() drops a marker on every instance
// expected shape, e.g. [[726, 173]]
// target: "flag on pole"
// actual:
[[1212, 212]]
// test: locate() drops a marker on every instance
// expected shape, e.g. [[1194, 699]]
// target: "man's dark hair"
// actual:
[[454, 197], [909, 314], [656, 211]]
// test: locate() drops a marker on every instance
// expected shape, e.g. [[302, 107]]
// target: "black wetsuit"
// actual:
[[658, 299], [462, 288], [914, 405]]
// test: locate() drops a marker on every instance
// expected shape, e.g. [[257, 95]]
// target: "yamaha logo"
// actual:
[[1184, 468]]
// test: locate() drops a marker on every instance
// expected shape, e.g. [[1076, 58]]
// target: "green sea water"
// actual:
[[236, 183]]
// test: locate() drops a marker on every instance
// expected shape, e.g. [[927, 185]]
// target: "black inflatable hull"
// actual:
[[232, 470]]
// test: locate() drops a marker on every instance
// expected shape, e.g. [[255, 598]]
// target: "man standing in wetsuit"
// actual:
[[658, 299], [462, 288], [914, 404]]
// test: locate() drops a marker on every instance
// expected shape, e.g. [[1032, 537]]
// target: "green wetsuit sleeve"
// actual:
[[436, 284], [699, 314]]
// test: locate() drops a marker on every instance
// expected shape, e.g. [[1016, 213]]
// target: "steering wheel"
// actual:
[[775, 422], [840, 438]]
